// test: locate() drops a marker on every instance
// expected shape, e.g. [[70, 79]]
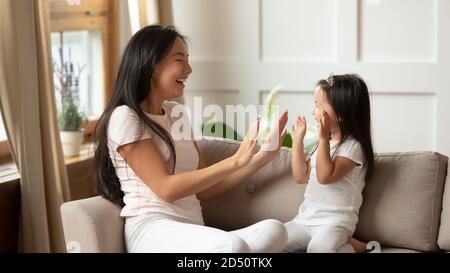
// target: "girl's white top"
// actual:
[[125, 127], [337, 203]]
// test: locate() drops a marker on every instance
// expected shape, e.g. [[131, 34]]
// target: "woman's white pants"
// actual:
[[149, 234]]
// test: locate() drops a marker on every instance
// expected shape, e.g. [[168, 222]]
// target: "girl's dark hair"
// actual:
[[350, 100], [144, 52]]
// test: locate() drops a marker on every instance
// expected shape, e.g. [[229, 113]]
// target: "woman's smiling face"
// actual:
[[171, 74]]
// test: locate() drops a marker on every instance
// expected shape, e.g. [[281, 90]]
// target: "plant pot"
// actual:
[[71, 142]]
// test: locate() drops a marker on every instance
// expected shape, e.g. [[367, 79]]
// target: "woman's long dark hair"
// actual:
[[144, 51], [350, 100]]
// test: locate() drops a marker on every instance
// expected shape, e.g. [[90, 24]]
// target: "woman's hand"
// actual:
[[299, 130], [274, 139], [248, 146], [323, 125]]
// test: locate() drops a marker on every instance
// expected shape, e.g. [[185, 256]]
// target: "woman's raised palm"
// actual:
[[274, 139], [248, 146]]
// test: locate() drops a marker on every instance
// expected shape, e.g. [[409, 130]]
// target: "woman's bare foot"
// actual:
[[359, 246]]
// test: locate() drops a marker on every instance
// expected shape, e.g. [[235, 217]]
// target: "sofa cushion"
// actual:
[[397, 250], [403, 200], [269, 193], [444, 229]]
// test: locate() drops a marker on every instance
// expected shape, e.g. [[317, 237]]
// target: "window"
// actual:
[[84, 49], [91, 28], [88, 32], [4, 148], [3, 136]]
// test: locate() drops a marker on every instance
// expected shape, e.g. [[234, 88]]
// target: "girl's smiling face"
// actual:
[[171, 74], [322, 104]]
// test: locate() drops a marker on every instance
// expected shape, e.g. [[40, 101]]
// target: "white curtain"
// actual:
[[28, 107]]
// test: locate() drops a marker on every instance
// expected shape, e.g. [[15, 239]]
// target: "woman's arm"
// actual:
[[258, 161], [233, 179], [146, 162]]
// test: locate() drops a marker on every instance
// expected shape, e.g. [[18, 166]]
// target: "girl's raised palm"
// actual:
[[248, 146], [299, 129]]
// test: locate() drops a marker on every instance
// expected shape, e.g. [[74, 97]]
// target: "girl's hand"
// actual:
[[323, 125], [299, 130], [274, 139], [248, 146]]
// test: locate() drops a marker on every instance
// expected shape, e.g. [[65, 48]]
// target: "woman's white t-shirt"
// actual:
[[337, 203], [125, 127]]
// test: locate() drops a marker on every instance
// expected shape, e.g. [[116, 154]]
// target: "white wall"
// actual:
[[242, 49]]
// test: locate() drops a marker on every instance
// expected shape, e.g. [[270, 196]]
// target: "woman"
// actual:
[[157, 180]]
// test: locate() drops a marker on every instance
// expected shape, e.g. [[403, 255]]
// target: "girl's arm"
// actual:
[[324, 166], [300, 167], [146, 162], [329, 171], [257, 161]]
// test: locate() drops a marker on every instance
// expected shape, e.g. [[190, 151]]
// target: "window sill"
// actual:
[[86, 153], [10, 173]]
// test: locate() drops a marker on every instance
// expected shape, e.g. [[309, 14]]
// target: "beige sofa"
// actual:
[[406, 205]]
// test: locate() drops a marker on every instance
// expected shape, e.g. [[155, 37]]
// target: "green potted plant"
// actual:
[[70, 118]]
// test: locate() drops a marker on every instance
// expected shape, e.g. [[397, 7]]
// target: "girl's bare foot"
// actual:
[[359, 246]]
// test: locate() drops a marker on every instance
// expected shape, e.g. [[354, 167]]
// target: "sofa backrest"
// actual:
[[403, 200], [269, 193]]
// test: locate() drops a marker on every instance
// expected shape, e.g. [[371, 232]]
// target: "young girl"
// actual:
[[157, 177], [337, 171]]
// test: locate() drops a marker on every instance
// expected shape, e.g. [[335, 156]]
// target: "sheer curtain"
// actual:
[[28, 108]]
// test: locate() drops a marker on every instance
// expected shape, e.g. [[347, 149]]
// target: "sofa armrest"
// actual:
[[92, 225]]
